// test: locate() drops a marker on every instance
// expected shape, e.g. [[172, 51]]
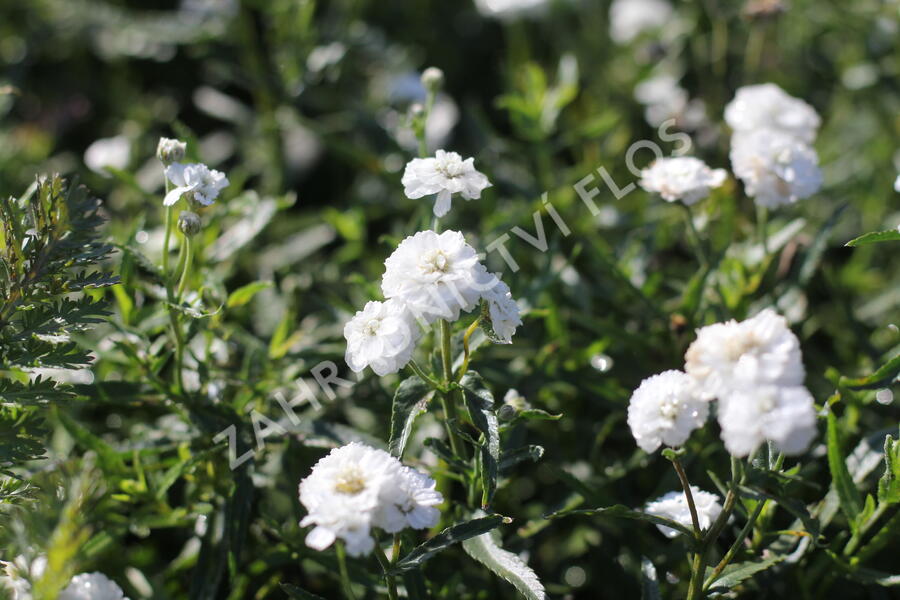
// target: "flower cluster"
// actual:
[[20, 574], [684, 179], [356, 488], [630, 18], [771, 149], [429, 276], [445, 174], [674, 506], [753, 368], [202, 183]]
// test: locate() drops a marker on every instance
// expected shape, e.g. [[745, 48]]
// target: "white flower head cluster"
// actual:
[[445, 174], [754, 368], [428, 277], [630, 18], [20, 574], [674, 506], [198, 180], [686, 179], [775, 167], [771, 149], [356, 488], [665, 410], [382, 335]]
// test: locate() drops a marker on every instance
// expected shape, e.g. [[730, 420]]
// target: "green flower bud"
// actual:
[[189, 223], [432, 79], [169, 151]]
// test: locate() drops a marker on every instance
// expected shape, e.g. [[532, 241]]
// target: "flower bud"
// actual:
[[189, 223], [507, 412], [170, 151], [432, 79]]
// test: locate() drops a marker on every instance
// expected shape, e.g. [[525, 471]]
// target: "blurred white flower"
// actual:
[[784, 415], [674, 506], [19, 574], [92, 586], [681, 178], [445, 174], [775, 167], [203, 183], [435, 275], [508, 10], [767, 106], [897, 184], [664, 99], [114, 152], [732, 356], [355, 488], [665, 410], [502, 311], [382, 335], [629, 18], [410, 502], [169, 151]]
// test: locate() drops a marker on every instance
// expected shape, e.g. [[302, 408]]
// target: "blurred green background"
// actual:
[[304, 105]]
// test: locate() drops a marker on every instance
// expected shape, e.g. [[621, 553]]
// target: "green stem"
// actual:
[[422, 375], [389, 580], [736, 545], [188, 260], [682, 476], [170, 218], [694, 236], [466, 336], [762, 226], [342, 567], [446, 398]]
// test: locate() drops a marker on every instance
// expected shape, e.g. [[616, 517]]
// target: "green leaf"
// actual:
[[480, 403], [891, 235], [536, 414], [649, 581], [623, 512], [738, 572], [294, 592], [880, 378], [448, 537], [410, 400], [889, 484], [510, 458], [506, 565], [244, 294], [848, 494], [108, 458]]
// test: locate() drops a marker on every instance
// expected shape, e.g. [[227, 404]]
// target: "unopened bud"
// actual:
[[189, 223], [169, 151], [432, 79]]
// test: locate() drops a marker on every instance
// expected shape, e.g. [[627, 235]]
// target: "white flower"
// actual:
[[435, 275], [113, 152], [784, 415], [629, 18], [170, 151], [356, 488], [775, 167], [674, 506], [445, 174], [198, 179], [510, 9], [663, 99], [683, 178], [767, 106], [502, 311], [734, 356], [20, 573], [897, 184], [382, 335], [92, 586], [410, 503], [343, 492], [665, 410]]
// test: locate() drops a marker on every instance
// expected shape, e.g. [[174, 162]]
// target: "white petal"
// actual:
[[173, 196]]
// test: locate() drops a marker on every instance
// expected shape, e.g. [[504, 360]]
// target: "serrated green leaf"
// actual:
[[410, 400], [480, 403], [623, 512], [506, 565], [245, 294], [891, 235], [848, 494], [510, 458], [738, 572], [446, 538]]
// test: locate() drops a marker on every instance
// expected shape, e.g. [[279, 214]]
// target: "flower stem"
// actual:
[[446, 399], [188, 259], [682, 476], [170, 218], [423, 375], [389, 580], [466, 336], [694, 236], [342, 567]]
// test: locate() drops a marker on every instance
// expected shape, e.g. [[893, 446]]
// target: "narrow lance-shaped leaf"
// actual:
[[410, 400], [446, 538], [848, 494], [891, 235], [623, 512], [299, 594], [736, 573], [480, 403], [486, 550], [245, 294], [880, 378]]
